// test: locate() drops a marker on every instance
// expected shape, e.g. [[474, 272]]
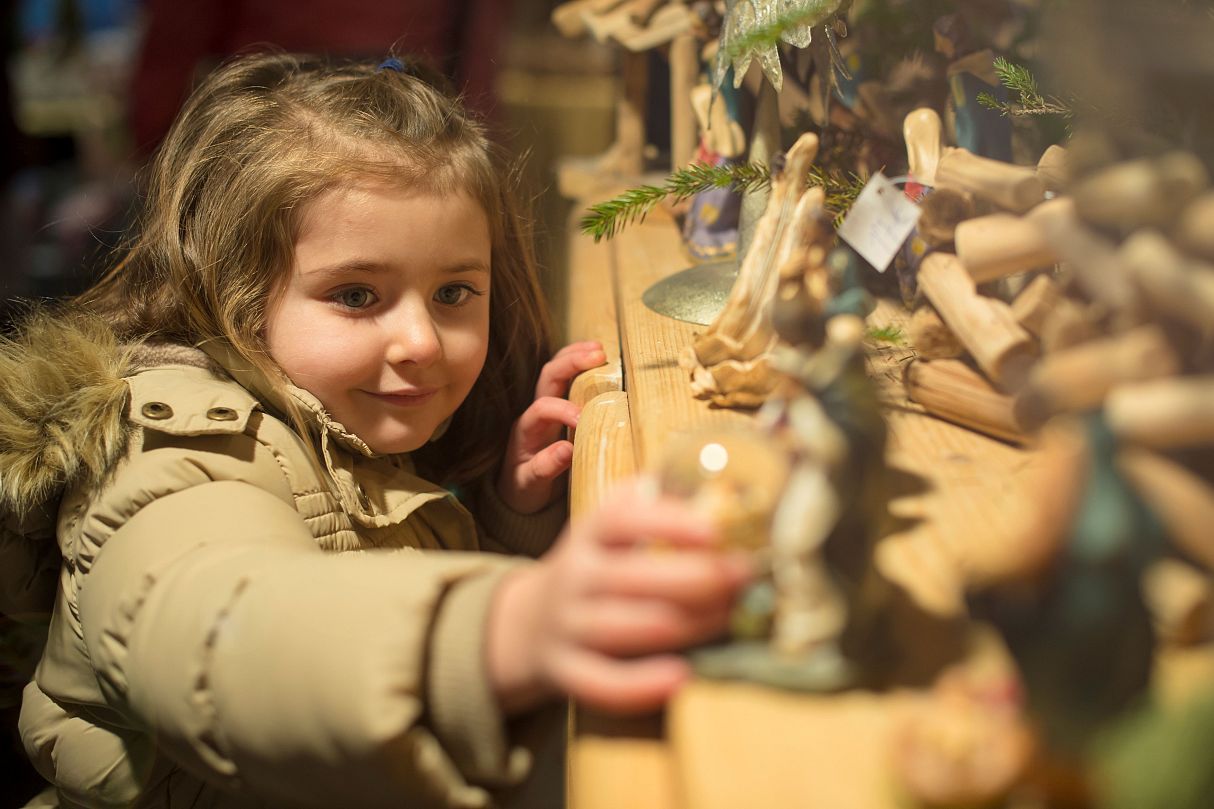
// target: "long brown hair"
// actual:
[[257, 140]]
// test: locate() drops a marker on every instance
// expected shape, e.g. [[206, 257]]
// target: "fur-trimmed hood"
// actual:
[[62, 399]]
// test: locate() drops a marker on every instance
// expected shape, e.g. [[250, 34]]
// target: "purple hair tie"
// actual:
[[391, 63]]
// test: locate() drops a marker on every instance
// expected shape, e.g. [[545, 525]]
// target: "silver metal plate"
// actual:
[[695, 294]]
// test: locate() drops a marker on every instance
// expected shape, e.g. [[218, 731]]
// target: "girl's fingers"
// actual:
[[552, 461], [618, 686], [634, 517], [629, 627], [690, 579], [581, 345], [558, 373], [543, 419]]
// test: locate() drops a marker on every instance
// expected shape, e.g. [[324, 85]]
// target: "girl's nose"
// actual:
[[414, 339]]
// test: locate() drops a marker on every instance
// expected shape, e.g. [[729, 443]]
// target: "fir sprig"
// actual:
[[604, 219], [1029, 100], [841, 190], [697, 177], [768, 36], [887, 334]]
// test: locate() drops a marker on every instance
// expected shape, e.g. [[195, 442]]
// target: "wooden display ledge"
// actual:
[[731, 744]]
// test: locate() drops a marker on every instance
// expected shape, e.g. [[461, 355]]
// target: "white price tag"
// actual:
[[879, 221]]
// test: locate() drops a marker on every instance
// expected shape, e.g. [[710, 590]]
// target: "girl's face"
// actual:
[[385, 315]]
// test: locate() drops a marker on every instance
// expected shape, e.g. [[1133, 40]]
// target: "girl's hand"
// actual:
[[537, 456], [600, 616]]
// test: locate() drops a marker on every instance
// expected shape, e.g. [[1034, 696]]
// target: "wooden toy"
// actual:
[[729, 363]]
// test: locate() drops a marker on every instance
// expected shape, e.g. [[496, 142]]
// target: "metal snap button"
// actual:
[[221, 414], [156, 410]]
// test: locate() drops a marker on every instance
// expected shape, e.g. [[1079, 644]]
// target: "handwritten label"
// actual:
[[879, 222]]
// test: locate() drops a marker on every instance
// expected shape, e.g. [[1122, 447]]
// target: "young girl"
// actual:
[[243, 443]]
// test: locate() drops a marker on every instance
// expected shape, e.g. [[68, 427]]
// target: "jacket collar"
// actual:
[[376, 490], [277, 397]]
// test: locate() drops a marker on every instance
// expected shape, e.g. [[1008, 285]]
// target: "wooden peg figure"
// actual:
[[941, 209], [923, 132]]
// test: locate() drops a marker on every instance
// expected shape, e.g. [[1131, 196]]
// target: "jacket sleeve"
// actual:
[[504, 530], [261, 663]]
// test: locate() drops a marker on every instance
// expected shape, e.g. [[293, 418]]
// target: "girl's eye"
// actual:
[[455, 294], [355, 298]]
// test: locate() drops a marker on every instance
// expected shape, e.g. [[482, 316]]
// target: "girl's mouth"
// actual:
[[410, 398]]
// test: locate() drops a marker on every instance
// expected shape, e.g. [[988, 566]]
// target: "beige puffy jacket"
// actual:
[[230, 627]]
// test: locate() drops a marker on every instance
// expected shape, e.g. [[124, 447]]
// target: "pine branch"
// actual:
[[1018, 79], [697, 177], [841, 190], [768, 36], [887, 334], [1029, 100], [604, 219]]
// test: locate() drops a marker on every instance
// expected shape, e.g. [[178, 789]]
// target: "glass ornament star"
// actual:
[[753, 29]]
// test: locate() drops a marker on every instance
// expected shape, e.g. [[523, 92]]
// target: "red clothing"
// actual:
[[461, 37]]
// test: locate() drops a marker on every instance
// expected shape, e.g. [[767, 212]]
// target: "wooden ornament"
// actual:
[[1173, 286], [1068, 324], [1181, 600], [570, 18], [1181, 499], [1169, 413], [684, 63], [729, 363], [1091, 258], [1053, 169], [985, 326], [641, 11], [734, 478], [953, 391], [1015, 188], [1149, 192], [1077, 379], [1195, 231], [1035, 302], [921, 129], [668, 23], [995, 246]]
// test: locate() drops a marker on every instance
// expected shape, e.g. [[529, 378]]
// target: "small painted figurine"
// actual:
[[710, 229], [982, 131]]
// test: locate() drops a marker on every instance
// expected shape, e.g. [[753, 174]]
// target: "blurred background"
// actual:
[[92, 85]]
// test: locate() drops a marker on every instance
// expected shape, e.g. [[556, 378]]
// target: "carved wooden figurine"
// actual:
[[729, 364]]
